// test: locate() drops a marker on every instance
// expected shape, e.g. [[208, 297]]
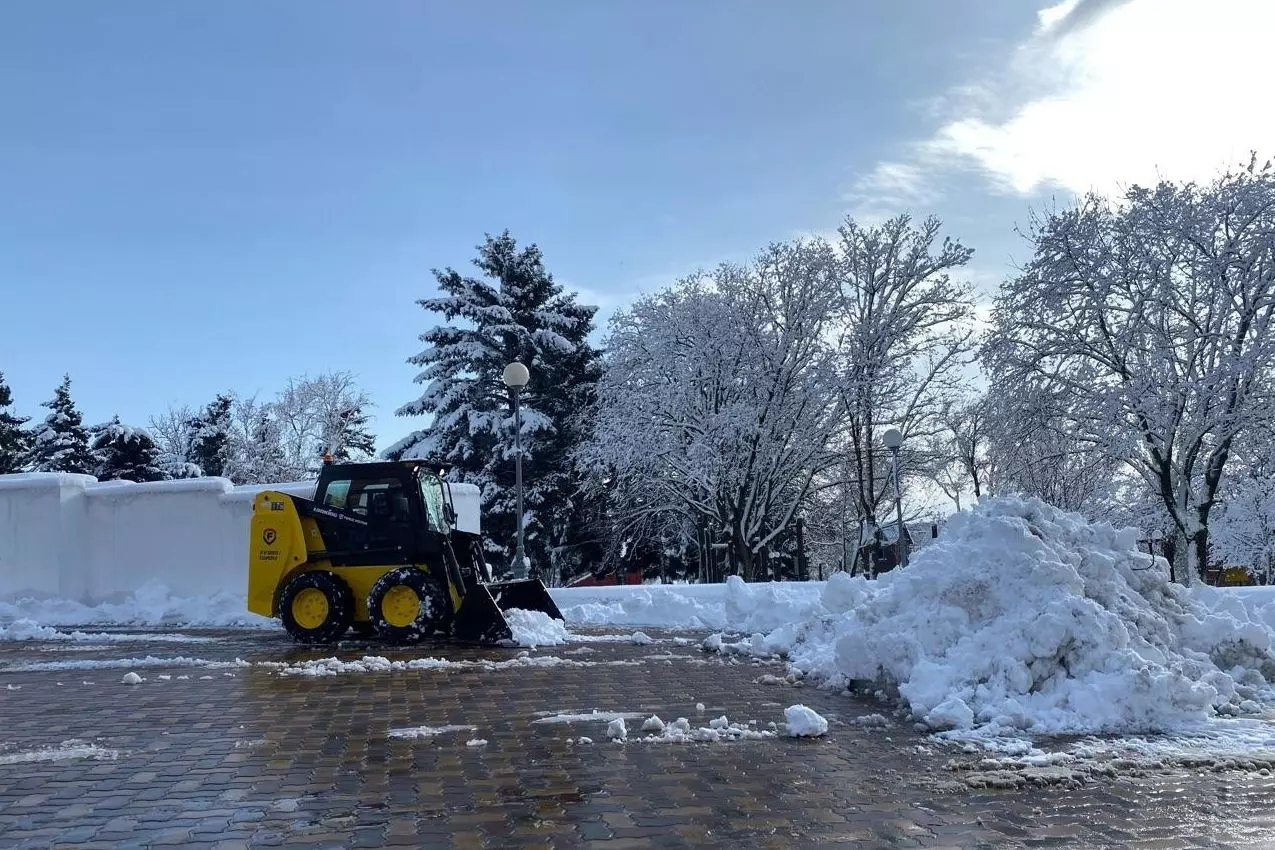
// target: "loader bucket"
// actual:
[[479, 619], [481, 616], [528, 594]]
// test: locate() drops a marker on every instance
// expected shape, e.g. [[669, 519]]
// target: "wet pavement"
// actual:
[[215, 749]]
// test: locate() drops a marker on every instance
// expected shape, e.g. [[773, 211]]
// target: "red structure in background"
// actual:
[[633, 575]]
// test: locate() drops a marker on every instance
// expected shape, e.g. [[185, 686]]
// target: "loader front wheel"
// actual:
[[316, 607], [407, 605]]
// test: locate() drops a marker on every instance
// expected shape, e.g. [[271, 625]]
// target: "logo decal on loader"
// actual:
[[269, 536]]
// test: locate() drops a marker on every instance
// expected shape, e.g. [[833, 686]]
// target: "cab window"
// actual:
[[377, 499], [336, 494]]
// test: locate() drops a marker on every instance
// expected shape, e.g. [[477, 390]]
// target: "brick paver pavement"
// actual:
[[244, 756]]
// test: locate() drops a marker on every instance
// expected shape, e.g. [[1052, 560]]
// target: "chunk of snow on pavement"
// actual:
[[871, 721], [428, 731], [804, 722], [699, 706], [536, 628], [131, 678], [653, 724], [1024, 619], [617, 730], [640, 638], [71, 749], [476, 742]]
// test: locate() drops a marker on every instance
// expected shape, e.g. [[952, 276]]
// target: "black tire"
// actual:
[[433, 607], [336, 619]]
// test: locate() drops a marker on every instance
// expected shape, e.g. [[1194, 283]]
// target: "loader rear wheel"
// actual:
[[316, 607], [407, 605]]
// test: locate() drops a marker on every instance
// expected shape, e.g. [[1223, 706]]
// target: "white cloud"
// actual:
[[1106, 93]]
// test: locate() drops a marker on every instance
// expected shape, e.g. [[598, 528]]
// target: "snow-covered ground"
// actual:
[[1022, 621]]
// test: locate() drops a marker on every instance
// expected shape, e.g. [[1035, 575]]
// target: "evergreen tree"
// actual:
[[15, 443], [522, 314], [61, 443], [210, 448], [124, 453]]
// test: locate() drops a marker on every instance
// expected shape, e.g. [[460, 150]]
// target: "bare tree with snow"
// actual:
[[717, 401], [905, 339], [317, 415], [175, 436], [1148, 324]]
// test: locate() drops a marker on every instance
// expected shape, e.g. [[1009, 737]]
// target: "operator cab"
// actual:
[[370, 510]]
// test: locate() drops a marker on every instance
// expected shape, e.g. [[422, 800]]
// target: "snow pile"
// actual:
[[804, 722], [735, 604], [536, 628], [153, 604], [656, 731], [718, 730], [1028, 619], [27, 629]]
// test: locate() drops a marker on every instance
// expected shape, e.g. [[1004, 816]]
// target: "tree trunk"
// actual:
[[743, 555]]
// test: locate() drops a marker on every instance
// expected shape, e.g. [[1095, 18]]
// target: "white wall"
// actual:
[[73, 537]]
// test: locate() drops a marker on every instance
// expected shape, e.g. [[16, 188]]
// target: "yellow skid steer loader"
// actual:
[[376, 550]]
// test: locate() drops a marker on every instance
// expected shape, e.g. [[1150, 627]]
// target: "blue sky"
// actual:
[[206, 197]]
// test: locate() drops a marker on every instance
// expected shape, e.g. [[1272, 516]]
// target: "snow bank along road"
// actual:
[[640, 739]]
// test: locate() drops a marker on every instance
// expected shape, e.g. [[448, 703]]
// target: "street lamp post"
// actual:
[[894, 441], [516, 377]]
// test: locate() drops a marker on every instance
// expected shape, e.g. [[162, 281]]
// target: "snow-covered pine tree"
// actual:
[[61, 442], [522, 314], [15, 443], [124, 453], [211, 445]]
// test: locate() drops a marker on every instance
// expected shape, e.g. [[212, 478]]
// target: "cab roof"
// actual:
[[380, 467]]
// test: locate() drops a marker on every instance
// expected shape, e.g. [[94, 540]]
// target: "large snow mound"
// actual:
[[1027, 619]]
